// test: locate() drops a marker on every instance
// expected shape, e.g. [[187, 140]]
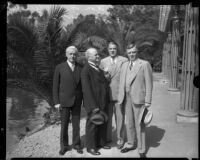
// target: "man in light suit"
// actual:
[[112, 67], [135, 92], [67, 96]]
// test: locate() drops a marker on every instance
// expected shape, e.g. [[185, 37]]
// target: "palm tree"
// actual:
[[38, 49]]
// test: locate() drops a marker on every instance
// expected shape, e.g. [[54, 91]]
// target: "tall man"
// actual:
[[135, 92], [112, 67], [95, 90], [67, 95]]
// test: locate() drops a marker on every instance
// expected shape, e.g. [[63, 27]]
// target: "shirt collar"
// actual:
[[133, 62], [70, 63], [93, 65], [115, 59]]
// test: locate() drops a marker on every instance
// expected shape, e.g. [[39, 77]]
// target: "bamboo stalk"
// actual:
[[188, 61], [192, 61], [182, 98]]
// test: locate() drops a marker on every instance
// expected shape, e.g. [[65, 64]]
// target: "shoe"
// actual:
[[142, 155], [63, 151], [93, 152], [78, 149], [106, 147], [120, 144], [126, 149]]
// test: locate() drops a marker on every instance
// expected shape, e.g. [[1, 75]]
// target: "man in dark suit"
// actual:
[[67, 95], [95, 93]]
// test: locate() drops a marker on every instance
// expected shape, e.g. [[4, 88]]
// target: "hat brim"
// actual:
[[97, 119], [145, 116]]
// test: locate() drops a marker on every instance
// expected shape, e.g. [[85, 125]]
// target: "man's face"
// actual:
[[94, 56], [71, 55], [112, 49], [132, 53]]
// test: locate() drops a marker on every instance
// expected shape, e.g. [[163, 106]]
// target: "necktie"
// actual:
[[131, 65], [72, 67]]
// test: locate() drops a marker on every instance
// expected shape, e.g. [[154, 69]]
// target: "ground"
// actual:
[[165, 137]]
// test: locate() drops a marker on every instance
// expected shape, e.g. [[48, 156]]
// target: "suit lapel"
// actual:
[[116, 68], [124, 72], [99, 74], [70, 71], [135, 70]]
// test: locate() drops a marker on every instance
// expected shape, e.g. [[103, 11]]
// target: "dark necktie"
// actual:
[[131, 65]]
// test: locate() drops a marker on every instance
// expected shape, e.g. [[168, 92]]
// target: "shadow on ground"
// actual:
[[153, 136]]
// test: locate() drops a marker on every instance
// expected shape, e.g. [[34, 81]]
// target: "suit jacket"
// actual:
[[141, 82], [95, 88], [114, 74], [67, 89]]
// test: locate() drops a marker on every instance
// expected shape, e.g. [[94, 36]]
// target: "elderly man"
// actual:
[[112, 67], [135, 92], [95, 88], [67, 95]]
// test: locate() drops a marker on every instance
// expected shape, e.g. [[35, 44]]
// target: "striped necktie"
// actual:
[[131, 65]]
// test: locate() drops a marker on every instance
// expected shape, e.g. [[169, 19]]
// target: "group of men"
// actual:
[[115, 84]]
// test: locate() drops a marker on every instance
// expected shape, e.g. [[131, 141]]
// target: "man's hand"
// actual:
[[95, 110], [147, 105], [57, 106]]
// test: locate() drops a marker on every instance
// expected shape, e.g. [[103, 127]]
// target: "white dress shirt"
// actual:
[[113, 61], [93, 65], [133, 63], [71, 65]]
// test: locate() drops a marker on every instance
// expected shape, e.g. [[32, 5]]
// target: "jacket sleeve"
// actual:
[[56, 83], [88, 97], [149, 82]]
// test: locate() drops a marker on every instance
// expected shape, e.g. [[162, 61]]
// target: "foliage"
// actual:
[[142, 25], [36, 47], [36, 44]]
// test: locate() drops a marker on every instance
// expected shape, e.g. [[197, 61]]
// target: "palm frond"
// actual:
[[79, 38]]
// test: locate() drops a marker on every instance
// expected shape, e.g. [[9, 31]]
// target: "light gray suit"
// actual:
[[134, 92], [114, 71]]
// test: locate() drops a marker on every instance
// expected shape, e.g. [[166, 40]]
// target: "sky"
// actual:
[[74, 10]]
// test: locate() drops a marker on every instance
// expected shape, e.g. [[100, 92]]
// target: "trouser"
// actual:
[[115, 108], [133, 126], [95, 134], [65, 118]]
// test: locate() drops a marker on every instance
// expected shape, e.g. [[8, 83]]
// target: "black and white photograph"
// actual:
[[102, 81]]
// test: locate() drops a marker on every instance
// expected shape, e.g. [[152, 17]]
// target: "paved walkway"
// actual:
[[165, 137]]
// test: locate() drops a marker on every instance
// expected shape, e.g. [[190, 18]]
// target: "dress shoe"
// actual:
[[63, 151], [93, 152], [126, 149], [78, 149], [120, 144], [106, 147], [142, 155]]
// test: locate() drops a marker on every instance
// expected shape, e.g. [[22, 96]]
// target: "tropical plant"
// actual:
[[38, 48]]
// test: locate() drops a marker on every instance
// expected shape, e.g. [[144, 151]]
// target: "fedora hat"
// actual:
[[145, 116], [99, 118]]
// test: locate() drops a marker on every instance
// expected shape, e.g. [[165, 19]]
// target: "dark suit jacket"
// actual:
[[67, 89], [95, 88]]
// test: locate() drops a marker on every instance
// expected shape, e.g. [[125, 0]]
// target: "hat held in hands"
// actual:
[[145, 116], [98, 118]]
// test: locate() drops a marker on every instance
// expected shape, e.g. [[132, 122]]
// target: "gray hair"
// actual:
[[70, 48], [88, 51]]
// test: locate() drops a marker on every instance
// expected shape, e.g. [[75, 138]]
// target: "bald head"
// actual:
[[92, 55], [71, 53]]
